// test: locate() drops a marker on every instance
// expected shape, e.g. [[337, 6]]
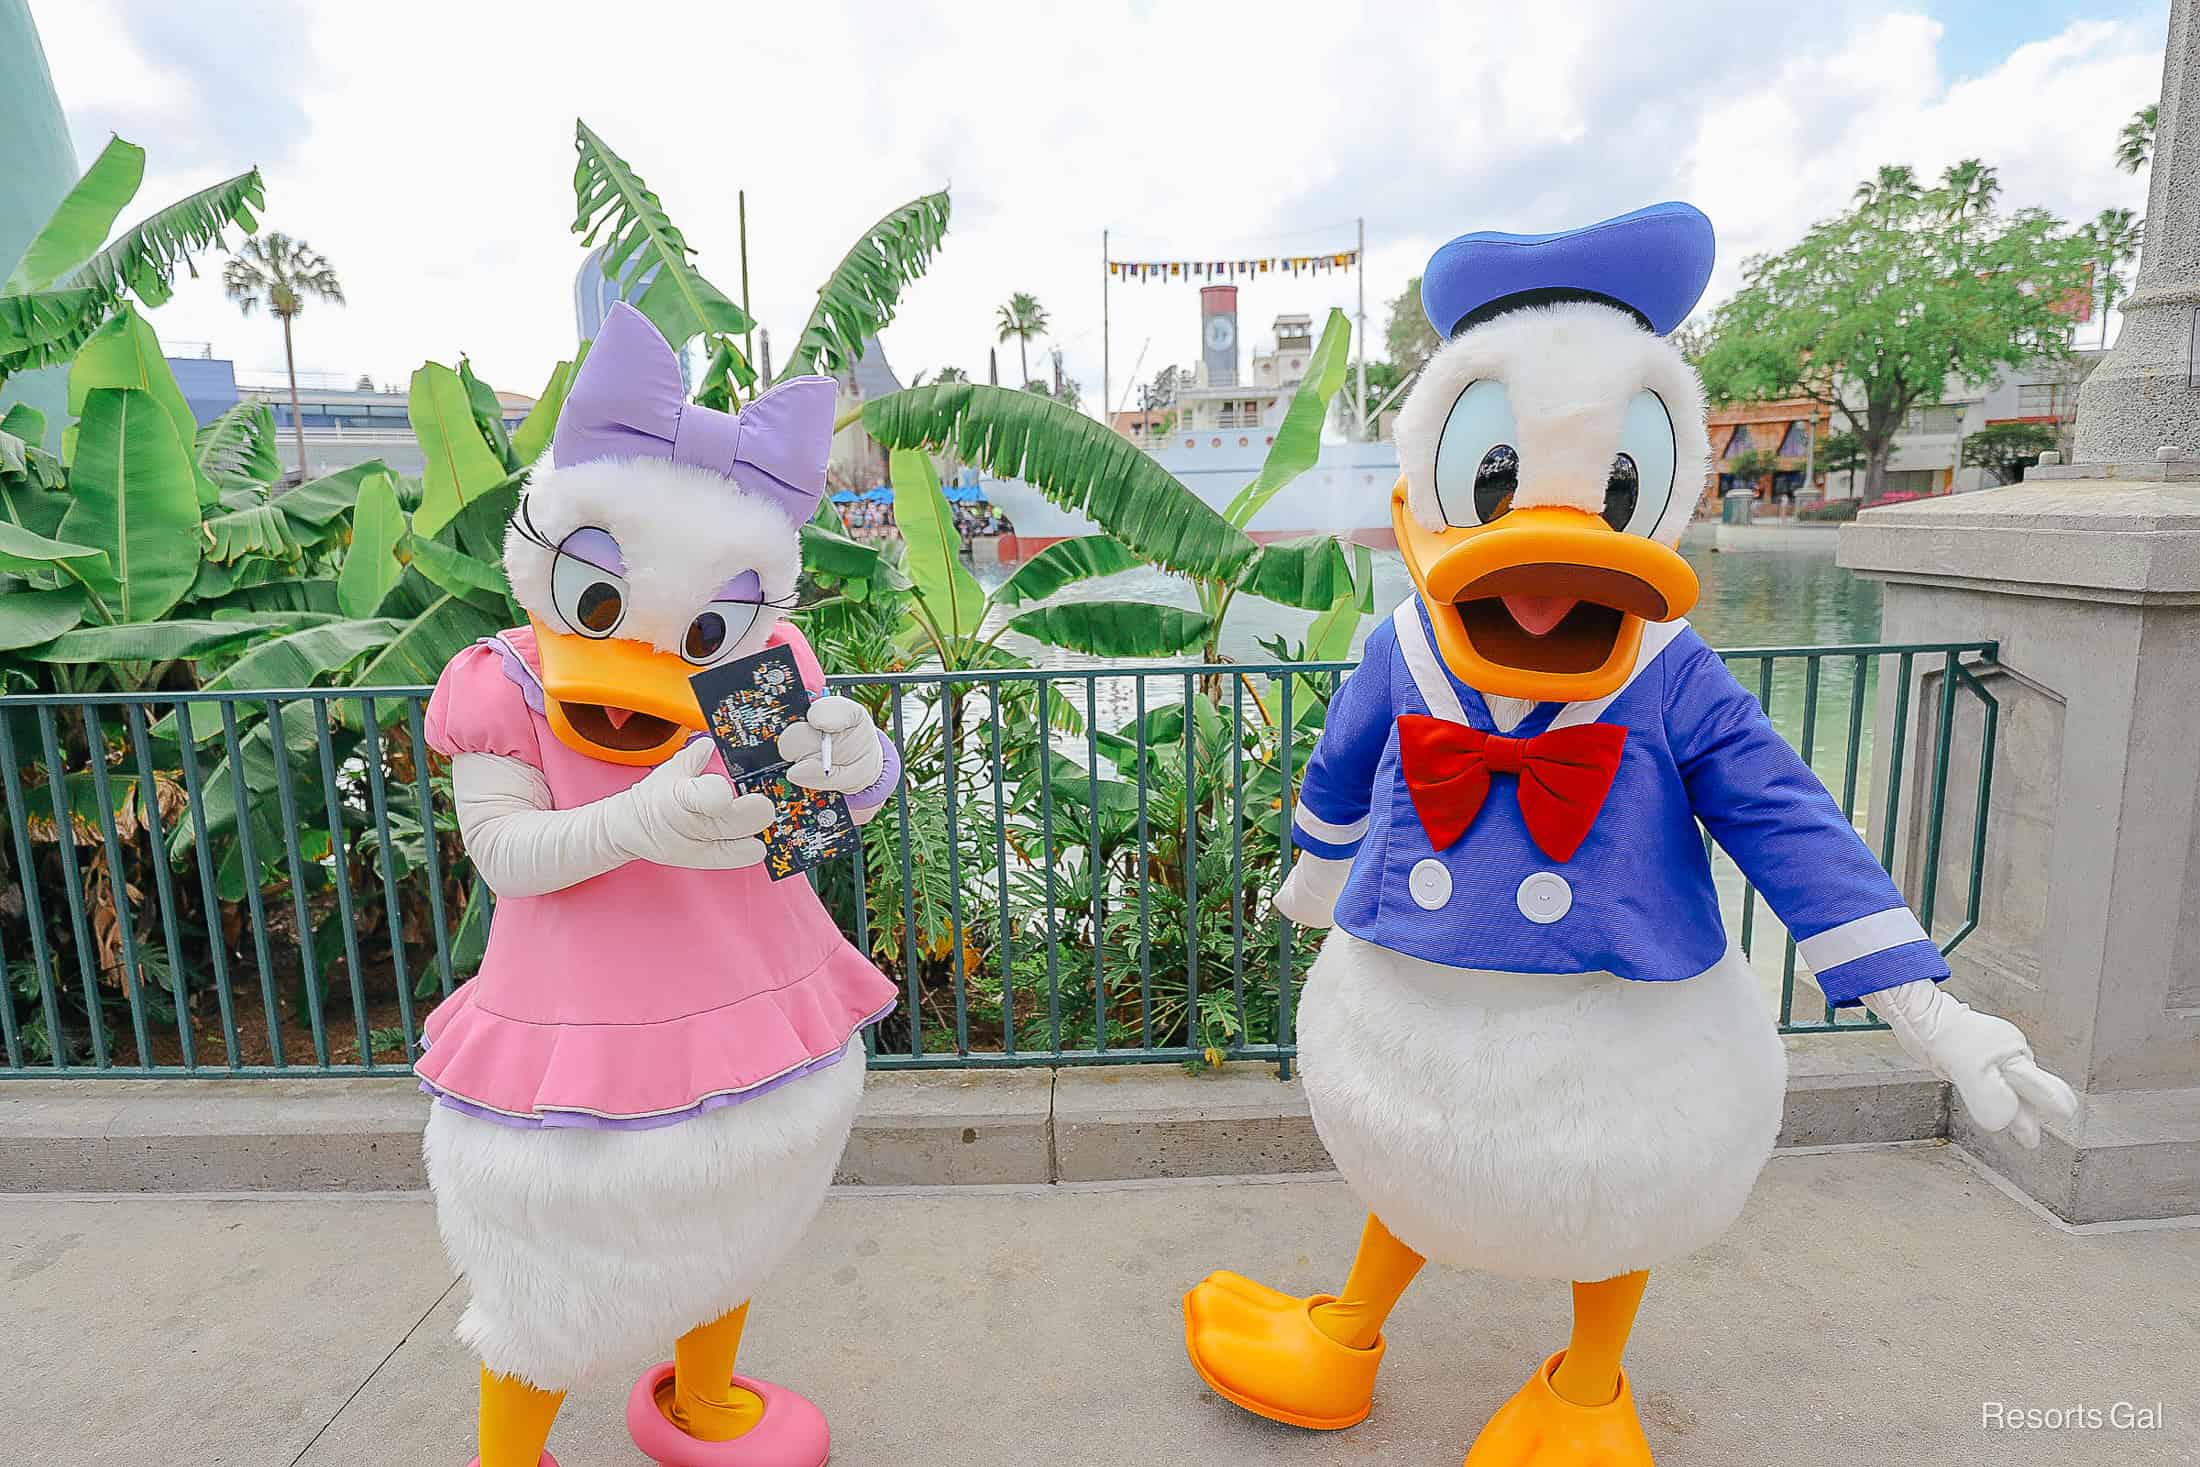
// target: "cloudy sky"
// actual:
[[426, 145]]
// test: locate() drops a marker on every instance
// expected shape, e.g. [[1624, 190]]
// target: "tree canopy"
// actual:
[[1878, 309]]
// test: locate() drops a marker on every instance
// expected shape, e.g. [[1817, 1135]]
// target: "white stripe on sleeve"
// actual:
[[1860, 939], [1328, 830]]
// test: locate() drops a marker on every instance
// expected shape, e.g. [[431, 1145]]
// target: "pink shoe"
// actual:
[[792, 1432]]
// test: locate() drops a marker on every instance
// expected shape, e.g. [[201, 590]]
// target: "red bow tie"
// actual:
[[1564, 776]]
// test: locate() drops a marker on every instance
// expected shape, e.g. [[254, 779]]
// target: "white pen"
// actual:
[[826, 740]]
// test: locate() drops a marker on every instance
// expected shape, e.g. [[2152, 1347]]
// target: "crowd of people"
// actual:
[[873, 519]]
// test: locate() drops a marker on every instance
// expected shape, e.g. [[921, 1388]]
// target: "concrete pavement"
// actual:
[[1860, 1314]]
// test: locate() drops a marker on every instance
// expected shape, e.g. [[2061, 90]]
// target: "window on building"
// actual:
[[1913, 481], [2041, 400], [1797, 442], [1941, 419], [1738, 443]]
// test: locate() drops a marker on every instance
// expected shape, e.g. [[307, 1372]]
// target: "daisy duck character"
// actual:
[[640, 1098], [1528, 1043]]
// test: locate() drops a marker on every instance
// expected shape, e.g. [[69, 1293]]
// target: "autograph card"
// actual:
[[746, 705]]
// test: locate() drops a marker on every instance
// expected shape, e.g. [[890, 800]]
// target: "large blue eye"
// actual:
[[1477, 462], [1641, 485]]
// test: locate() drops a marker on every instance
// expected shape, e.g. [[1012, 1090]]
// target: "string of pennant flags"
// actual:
[[1145, 270]]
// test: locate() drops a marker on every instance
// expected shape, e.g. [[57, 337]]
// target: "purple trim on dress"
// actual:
[[518, 673], [577, 1120], [889, 774]]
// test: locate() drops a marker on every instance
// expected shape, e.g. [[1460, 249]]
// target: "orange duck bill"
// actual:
[[616, 699], [1545, 603]]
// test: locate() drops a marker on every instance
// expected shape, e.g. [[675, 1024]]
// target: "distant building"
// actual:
[[856, 460], [1928, 448], [1217, 398], [344, 425], [1788, 430]]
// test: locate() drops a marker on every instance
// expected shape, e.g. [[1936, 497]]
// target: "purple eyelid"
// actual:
[[596, 547], [747, 586]]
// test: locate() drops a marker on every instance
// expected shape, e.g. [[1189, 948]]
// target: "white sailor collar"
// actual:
[[1443, 692]]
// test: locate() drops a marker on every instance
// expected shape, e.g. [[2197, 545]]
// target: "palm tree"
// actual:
[[280, 272], [950, 374], [2114, 239], [1022, 319], [2135, 144], [1894, 183], [1968, 188]]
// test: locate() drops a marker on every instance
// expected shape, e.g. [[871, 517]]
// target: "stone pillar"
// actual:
[[2143, 394], [2087, 576], [2089, 930]]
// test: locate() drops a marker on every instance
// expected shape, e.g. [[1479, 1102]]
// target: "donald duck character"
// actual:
[[1528, 1044], [640, 1098]]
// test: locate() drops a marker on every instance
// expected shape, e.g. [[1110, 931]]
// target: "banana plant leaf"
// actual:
[[303, 658], [1115, 628], [237, 449], [488, 414], [415, 656], [831, 554], [261, 530], [725, 378], [148, 641], [932, 548], [42, 327], [255, 761], [454, 571], [533, 434], [28, 618], [22, 550], [1075, 462], [133, 497], [1064, 563], [460, 466], [1310, 572], [1299, 440], [317, 501], [371, 566], [22, 456], [643, 251], [126, 353], [859, 298], [80, 222], [479, 528]]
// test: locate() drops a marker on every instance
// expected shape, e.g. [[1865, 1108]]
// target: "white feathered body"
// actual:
[[1565, 1127], [588, 1247]]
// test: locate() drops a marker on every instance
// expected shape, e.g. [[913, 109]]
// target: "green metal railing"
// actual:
[[272, 883]]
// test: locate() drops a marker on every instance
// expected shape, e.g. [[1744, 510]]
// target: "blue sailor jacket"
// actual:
[[1637, 898]]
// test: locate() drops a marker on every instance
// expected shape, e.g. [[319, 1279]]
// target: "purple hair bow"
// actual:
[[627, 402]]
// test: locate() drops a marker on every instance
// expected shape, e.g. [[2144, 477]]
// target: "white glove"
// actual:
[[1309, 894], [1984, 1057], [675, 815], [857, 758]]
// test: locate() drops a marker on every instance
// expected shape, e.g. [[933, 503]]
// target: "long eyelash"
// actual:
[[524, 522]]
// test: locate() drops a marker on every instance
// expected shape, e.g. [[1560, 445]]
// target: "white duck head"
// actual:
[[658, 538], [1554, 449]]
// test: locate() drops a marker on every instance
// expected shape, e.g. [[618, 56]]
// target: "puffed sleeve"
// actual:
[[480, 707]]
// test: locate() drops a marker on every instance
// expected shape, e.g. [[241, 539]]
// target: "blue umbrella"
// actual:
[[879, 495], [963, 494], [845, 496]]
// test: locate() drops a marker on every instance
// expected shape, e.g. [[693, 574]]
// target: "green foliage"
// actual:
[[237, 449], [947, 595], [860, 296], [1408, 339], [1116, 628], [2135, 144], [461, 465], [66, 286], [132, 496], [1876, 309], [2006, 450], [644, 251]]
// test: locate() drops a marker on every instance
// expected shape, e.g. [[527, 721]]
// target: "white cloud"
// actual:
[[425, 145]]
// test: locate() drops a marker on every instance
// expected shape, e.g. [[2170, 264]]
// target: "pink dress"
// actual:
[[649, 994]]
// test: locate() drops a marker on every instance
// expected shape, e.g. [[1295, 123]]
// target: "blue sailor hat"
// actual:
[[1652, 263]]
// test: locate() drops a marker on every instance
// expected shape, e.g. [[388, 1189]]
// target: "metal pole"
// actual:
[[1359, 396], [1107, 412], [748, 338]]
